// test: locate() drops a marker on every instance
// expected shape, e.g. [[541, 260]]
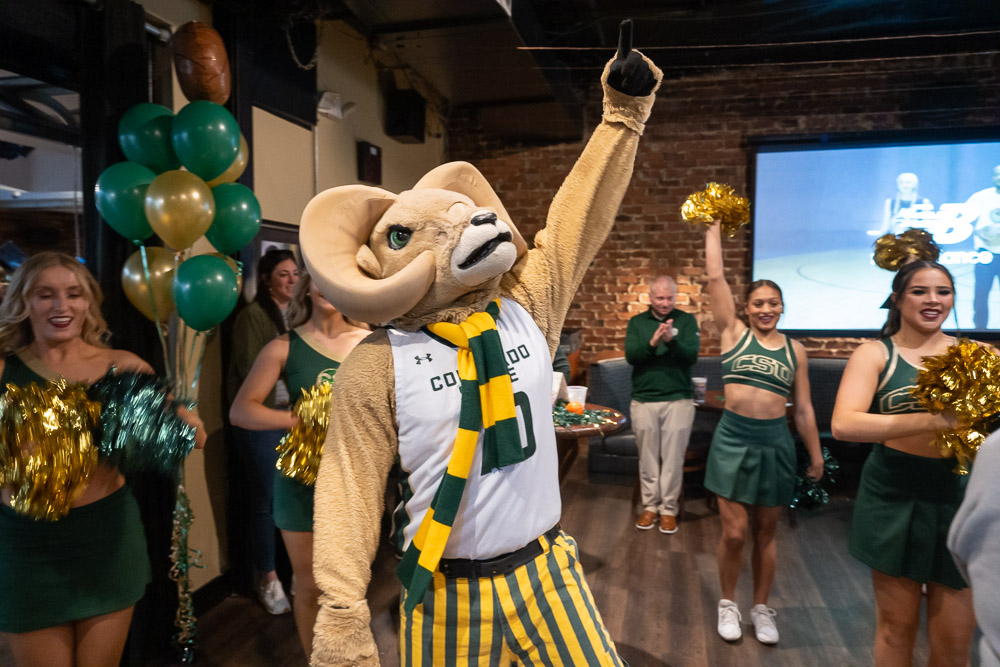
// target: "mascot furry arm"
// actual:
[[380, 257]]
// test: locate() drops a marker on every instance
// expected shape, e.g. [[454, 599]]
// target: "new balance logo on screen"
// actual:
[[762, 365], [898, 401], [422, 357]]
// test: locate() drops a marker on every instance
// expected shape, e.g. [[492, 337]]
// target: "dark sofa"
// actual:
[[614, 459]]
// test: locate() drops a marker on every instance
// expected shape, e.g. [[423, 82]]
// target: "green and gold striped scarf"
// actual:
[[488, 404]]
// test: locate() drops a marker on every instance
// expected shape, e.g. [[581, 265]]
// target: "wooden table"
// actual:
[[568, 437]]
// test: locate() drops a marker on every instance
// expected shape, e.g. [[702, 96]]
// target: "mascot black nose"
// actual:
[[484, 219]]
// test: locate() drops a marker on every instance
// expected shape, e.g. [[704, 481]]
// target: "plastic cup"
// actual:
[[698, 386], [577, 394]]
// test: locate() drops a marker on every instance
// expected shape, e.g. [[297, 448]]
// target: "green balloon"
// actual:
[[237, 217], [204, 291], [206, 138], [144, 136], [121, 199]]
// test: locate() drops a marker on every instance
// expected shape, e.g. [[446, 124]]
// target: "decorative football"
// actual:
[[201, 63]]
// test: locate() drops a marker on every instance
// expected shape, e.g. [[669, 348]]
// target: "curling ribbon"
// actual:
[[182, 559]]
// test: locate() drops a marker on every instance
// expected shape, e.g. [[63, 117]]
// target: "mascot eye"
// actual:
[[399, 236]]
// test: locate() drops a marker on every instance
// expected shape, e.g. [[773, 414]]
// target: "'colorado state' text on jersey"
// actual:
[[504, 509]]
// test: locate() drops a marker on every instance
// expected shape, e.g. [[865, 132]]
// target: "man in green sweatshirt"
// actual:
[[662, 345]]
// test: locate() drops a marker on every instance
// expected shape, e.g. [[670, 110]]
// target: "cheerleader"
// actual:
[[908, 493], [68, 587]]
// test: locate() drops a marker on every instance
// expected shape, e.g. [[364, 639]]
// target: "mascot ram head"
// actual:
[[378, 256]]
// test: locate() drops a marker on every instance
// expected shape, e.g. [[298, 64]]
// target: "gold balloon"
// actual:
[[235, 266], [143, 294], [179, 207], [236, 169]]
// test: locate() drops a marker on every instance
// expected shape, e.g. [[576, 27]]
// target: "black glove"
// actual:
[[630, 74]]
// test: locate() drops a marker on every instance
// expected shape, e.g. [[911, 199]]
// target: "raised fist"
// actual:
[[630, 73]]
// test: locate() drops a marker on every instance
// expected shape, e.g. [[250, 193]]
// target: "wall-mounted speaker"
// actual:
[[405, 116]]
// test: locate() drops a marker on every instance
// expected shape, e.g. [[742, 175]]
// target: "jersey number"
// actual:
[[504, 456], [521, 401]]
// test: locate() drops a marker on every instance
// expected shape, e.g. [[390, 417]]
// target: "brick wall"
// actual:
[[697, 134]]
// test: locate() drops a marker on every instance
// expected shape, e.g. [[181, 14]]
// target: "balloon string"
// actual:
[[180, 362], [152, 302], [199, 338]]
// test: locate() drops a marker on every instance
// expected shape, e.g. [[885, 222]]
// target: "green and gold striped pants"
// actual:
[[542, 613]]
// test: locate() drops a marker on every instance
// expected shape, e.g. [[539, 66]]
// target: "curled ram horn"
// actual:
[[335, 226]]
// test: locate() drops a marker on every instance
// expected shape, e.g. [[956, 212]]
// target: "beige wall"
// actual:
[[283, 153], [283, 161], [346, 68]]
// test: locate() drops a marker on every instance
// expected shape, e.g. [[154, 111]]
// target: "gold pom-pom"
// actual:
[[892, 251], [717, 202], [299, 452], [966, 381], [47, 451]]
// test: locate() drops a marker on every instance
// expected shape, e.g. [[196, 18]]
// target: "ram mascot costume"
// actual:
[[458, 386]]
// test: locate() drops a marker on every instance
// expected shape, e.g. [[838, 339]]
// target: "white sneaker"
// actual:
[[763, 624], [272, 596], [729, 621]]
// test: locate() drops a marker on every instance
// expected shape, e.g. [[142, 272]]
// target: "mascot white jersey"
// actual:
[[502, 509]]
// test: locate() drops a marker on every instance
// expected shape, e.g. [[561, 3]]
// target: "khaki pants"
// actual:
[[662, 430]]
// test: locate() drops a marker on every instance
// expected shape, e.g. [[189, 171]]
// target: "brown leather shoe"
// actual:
[[668, 524], [646, 520]]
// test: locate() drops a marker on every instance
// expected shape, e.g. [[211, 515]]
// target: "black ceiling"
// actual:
[[538, 56]]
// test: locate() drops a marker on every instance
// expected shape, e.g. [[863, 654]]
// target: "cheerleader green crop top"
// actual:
[[892, 397], [751, 363], [308, 363], [16, 372]]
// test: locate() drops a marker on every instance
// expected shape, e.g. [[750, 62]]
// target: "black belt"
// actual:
[[467, 568]]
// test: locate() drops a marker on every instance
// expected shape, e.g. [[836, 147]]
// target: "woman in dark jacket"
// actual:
[[260, 322]]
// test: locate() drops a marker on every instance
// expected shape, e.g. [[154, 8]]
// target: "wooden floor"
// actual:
[[657, 593]]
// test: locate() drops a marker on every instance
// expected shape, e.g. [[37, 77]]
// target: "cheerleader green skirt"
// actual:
[[904, 508], [91, 562], [293, 504], [752, 461]]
